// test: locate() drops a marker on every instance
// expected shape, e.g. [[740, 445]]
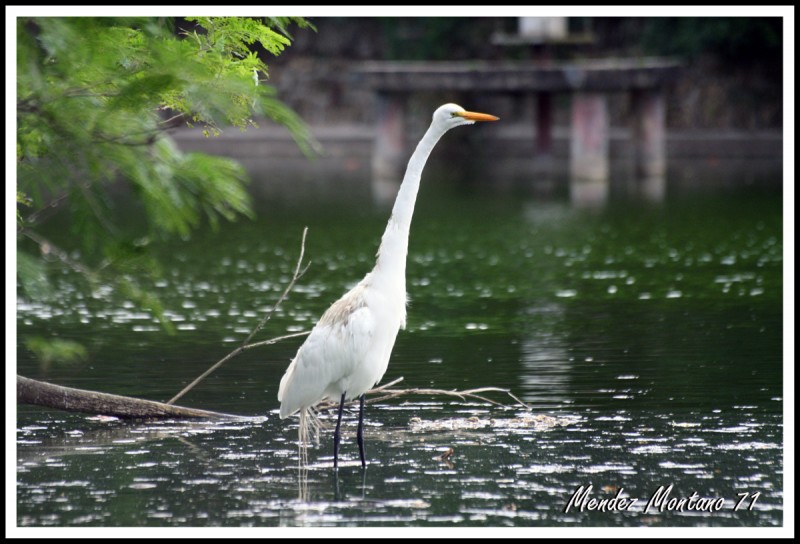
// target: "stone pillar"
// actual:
[[589, 138], [544, 125], [649, 134], [589, 149], [389, 156], [544, 158]]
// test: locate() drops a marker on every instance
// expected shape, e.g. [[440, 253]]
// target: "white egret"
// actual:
[[348, 350]]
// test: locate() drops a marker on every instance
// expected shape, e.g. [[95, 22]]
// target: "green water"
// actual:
[[652, 333]]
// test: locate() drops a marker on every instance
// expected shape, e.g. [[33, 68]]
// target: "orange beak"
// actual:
[[473, 116]]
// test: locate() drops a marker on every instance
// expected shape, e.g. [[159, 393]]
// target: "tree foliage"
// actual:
[[735, 41], [95, 96]]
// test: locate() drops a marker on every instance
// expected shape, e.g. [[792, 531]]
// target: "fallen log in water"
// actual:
[[93, 402]]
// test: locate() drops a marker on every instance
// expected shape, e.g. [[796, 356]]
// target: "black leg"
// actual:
[[360, 434], [336, 436], [336, 494]]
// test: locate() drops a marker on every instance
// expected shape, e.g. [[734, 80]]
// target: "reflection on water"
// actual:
[[653, 332], [246, 473], [547, 367]]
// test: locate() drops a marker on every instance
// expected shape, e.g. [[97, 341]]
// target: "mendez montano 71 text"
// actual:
[[660, 501]]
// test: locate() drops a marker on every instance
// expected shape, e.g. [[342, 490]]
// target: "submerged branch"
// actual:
[[93, 402], [385, 392]]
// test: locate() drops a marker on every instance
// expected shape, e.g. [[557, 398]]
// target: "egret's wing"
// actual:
[[347, 344], [336, 345]]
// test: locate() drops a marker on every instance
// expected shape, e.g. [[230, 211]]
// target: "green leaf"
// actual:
[[32, 277], [56, 350], [93, 95], [144, 299], [143, 91]]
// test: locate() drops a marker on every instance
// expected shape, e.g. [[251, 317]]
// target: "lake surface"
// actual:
[[646, 338]]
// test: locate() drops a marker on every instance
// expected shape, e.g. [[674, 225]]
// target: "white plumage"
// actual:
[[348, 350]]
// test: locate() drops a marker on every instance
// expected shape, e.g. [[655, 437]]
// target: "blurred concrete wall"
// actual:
[[314, 75]]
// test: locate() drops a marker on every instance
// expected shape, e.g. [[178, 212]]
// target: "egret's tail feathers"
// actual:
[[309, 423], [302, 438]]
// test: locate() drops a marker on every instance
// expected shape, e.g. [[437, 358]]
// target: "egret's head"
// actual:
[[453, 115]]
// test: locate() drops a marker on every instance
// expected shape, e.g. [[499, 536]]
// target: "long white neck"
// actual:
[[391, 263]]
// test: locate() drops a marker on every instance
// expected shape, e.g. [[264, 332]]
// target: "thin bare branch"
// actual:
[[203, 376], [386, 385], [171, 119], [298, 271], [48, 208], [516, 398], [49, 248], [274, 340], [297, 274]]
